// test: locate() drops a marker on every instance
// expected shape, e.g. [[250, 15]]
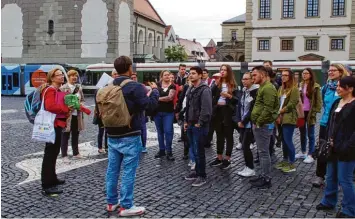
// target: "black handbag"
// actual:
[[325, 150]]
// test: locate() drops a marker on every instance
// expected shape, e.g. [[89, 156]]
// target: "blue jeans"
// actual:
[[191, 155], [164, 124], [197, 140], [287, 136], [310, 131], [126, 150], [340, 173]]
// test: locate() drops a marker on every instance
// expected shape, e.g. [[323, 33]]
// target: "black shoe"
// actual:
[[226, 164], [159, 155], [254, 179], [200, 181], [191, 176], [216, 163], [256, 160], [323, 207], [52, 191], [170, 157], [342, 215], [59, 182], [263, 182], [185, 157]]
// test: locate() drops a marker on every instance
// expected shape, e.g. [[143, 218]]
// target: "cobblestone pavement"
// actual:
[[160, 186]]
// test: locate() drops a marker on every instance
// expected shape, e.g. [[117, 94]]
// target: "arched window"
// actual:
[[50, 27]]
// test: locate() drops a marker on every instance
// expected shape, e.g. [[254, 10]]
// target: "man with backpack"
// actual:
[[121, 106]]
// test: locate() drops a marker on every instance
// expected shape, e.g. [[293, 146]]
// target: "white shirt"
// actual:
[[224, 89], [72, 88]]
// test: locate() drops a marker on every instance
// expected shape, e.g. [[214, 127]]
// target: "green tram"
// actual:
[[149, 72]]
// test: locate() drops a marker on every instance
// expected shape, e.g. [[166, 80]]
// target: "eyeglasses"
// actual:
[[305, 73], [284, 75]]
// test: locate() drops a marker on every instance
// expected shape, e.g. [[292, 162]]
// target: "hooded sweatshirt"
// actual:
[[246, 104]]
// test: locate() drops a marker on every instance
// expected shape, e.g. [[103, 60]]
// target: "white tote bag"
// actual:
[[43, 129]]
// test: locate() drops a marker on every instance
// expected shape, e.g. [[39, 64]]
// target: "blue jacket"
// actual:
[[137, 102], [329, 96]]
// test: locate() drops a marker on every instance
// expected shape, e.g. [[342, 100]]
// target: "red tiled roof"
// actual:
[[167, 29], [146, 9], [193, 46], [210, 50]]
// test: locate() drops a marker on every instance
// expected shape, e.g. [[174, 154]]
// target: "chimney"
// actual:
[[194, 40]]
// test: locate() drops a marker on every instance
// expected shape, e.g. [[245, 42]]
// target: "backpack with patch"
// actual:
[[112, 106], [33, 104]]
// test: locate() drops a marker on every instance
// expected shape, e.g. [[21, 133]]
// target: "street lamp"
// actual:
[[75, 8]]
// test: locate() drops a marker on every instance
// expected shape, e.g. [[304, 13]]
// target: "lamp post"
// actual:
[[75, 8]]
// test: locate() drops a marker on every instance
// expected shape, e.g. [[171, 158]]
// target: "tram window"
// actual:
[[15, 79]]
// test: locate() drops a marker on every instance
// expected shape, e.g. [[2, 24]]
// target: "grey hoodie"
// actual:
[[199, 105], [246, 103]]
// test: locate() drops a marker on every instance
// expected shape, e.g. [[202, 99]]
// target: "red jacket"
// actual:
[[51, 106]]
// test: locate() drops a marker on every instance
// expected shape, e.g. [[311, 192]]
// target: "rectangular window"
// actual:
[[338, 7], [15, 79], [286, 45], [311, 44], [265, 9], [264, 45], [288, 8], [312, 8], [337, 44], [234, 35]]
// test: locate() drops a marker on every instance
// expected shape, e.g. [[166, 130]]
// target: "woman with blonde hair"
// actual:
[[49, 93], [75, 122], [329, 96], [164, 117]]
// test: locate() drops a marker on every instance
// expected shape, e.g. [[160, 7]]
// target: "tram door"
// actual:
[[10, 80]]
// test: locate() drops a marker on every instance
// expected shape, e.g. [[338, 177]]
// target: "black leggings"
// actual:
[[224, 134], [321, 169], [51, 151], [246, 136]]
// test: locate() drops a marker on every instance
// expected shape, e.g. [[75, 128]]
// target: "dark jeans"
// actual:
[[144, 134], [321, 169], [340, 173], [51, 151], [197, 140], [186, 143], [307, 131], [101, 134], [246, 135], [210, 134], [74, 138]]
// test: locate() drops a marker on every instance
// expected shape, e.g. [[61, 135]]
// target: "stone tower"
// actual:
[[63, 31]]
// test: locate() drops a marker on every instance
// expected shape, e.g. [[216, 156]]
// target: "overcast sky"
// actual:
[[200, 19]]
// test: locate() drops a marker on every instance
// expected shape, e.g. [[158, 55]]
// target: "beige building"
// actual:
[[148, 32], [282, 30], [233, 34]]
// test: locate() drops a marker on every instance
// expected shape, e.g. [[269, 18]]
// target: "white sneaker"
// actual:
[[248, 172], [112, 207], [301, 156], [193, 166], [191, 163], [239, 146], [133, 211], [252, 146], [241, 173], [309, 159]]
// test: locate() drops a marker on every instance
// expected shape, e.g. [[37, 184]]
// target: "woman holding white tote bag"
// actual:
[[53, 104]]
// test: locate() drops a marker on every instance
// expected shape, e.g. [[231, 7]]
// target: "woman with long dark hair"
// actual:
[[289, 98], [312, 104], [340, 135], [224, 105], [164, 118]]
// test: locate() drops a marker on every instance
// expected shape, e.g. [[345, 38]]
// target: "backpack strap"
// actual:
[[124, 82]]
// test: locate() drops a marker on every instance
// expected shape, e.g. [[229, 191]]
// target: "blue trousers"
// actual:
[[197, 140], [340, 173], [124, 151], [288, 146], [164, 124]]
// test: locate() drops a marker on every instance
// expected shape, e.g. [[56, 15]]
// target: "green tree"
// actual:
[[175, 54]]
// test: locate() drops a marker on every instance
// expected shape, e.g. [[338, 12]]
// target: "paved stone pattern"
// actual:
[[160, 186]]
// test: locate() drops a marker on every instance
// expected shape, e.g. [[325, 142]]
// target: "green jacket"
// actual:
[[290, 116], [266, 105], [316, 103]]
